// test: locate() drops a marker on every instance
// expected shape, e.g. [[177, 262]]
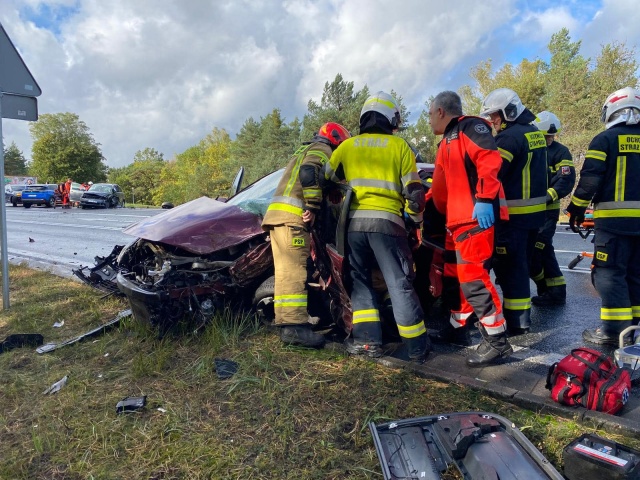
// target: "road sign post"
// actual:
[[18, 90], [3, 223]]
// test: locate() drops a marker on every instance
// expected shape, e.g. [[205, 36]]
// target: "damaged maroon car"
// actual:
[[194, 260]]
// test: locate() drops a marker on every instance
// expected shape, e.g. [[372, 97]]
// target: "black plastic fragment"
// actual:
[[225, 368], [17, 340]]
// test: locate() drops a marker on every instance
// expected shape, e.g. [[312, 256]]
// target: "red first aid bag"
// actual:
[[591, 379]]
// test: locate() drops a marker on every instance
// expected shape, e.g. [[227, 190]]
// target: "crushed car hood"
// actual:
[[201, 226], [96, 194]]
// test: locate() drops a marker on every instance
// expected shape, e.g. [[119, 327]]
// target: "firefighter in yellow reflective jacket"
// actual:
[[524, 178], [609, 177], [291, 213], [381, 169]]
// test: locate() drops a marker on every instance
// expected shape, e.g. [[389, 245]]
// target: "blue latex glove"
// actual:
[[483, 212]]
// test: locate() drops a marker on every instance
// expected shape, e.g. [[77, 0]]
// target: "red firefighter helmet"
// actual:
[[334, 132]]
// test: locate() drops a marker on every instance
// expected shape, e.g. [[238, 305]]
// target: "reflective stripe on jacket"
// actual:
[[610, 176], [382, 171], [524, 173], [290, 200]]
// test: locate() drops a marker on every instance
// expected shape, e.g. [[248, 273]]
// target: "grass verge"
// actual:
[[287, 413]]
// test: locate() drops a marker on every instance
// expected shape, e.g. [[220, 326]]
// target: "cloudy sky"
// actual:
[[164, 73]]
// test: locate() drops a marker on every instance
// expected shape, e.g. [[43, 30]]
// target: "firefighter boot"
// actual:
[[301, 335], [518, 321], [451, 334], [418, 348], [541, 287], [556, 295], [490, 350], [372, 350], [600, 337]]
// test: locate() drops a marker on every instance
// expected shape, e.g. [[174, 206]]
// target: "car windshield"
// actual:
[[100, 188], [37, 188], [257, 196], [17, 188]]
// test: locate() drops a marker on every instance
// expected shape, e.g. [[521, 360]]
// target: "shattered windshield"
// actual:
[[257, 196]]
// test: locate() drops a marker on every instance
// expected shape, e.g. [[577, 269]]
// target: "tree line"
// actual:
[[570, 85]]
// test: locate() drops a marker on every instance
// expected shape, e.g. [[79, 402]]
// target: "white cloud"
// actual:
[[163, 73], [616, 22], [538, 26]]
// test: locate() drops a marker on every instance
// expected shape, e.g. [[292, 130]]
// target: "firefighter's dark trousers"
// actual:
[[513, 251], [544, 265], [474, 248], [393, 256], [616, 275], [291, 245]]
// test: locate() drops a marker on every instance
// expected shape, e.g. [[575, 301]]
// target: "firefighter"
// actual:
[[67, 192], [381, 169], [467, 190], [545, 271], [290, 215], [609, 178], [524, 177]]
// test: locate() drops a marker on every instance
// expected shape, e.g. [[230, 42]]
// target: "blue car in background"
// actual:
[[39, 195]]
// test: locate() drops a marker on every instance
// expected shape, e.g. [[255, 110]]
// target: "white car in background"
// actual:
[[76, 193]]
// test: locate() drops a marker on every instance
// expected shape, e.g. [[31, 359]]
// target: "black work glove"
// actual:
[[576, 217]]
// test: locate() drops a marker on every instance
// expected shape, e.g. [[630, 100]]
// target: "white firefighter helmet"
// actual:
[[621, 106], [547, 123], [502, 100], [384, 104]]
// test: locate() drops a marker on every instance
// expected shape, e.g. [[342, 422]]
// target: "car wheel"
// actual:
[[26, 205], [113, 202], [263, 301], [51, 202], [14, 203]]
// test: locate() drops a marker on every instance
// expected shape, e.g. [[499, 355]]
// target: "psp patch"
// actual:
[[501, 250], [565, 171], [297, 242], [602, 256]]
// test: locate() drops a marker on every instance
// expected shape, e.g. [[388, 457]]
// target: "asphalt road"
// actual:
[[555, 331], [64, 239]]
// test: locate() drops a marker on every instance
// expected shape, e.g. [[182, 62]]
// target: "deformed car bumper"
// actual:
[[94, 203], [147, 306]]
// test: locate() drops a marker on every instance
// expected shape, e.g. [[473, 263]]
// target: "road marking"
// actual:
[[576, 269], [73, 225]]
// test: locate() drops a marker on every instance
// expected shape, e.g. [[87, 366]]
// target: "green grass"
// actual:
[[287, 413]]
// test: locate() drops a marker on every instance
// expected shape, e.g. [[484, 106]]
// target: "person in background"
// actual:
[[609, 178], [290, 215], [545, 271], [524, 178], [67, 192], [381, 169], [467, 191], [59, 192]]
